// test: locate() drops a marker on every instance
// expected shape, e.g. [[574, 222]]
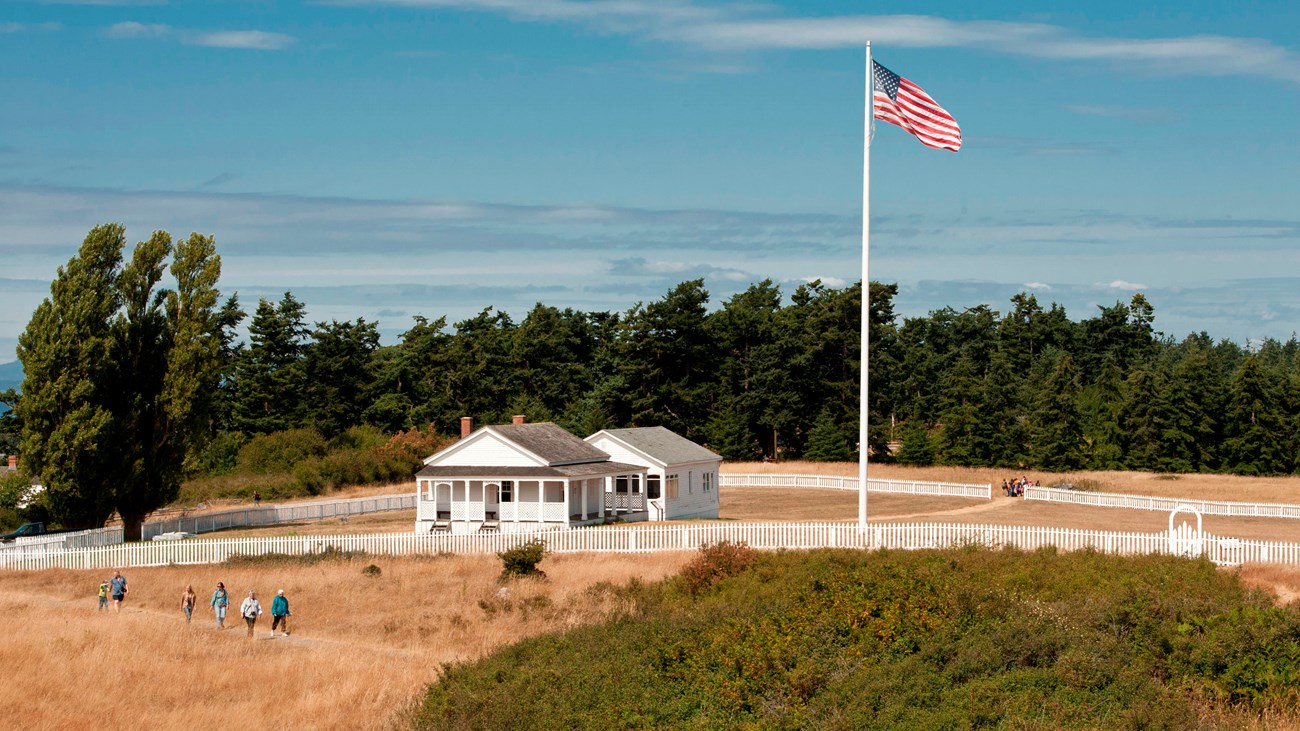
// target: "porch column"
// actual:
[[567, 485], [541, 501], [586, 485]]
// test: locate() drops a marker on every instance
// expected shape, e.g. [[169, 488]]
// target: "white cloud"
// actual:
[[1125, 286], [739, 27], [255, 40], [132, 29], [1043, 286], [11, 27]]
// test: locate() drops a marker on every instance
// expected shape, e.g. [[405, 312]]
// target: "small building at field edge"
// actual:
[[682, 476], [525, 477]]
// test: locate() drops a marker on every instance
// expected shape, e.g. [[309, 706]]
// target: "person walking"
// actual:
[[220, 600], [280, 613], [250, 610], [117, 587], [188, 600], [103, 595]]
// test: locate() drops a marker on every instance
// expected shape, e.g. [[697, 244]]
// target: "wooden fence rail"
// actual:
[[645, 538], [1162, 504], [273, 514], [906, 487]]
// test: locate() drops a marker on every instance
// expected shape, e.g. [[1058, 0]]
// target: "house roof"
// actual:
[[555, 445], [544, 443], [584, 469], [662, 445]]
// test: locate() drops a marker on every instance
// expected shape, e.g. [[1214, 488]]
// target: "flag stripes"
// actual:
[[898, 101]]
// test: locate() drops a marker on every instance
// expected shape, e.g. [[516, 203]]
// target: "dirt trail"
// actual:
[[992, 505]]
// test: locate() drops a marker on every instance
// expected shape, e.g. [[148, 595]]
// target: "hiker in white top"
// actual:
[[250, 610]]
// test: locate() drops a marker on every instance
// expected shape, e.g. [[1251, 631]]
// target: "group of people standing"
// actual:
[[1016, 486], [250, 609]]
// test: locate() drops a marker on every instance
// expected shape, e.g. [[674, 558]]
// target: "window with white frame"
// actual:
[[652, 486], [671, 485], [507, 491], [707, 479]]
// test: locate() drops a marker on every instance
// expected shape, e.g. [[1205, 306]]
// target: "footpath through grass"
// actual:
[[904, 640]]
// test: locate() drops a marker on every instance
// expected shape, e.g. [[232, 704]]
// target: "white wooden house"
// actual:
[[524, 477], [682, 477]]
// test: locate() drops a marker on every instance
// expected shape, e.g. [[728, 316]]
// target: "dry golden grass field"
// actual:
[[364, 647], [361, 649]]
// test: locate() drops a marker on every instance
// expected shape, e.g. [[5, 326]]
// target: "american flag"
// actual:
[[898, 101]]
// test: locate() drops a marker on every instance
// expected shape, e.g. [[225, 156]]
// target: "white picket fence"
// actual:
[[1162, 504], [63, 541], [273, 514], [644, 538], [905, 487]]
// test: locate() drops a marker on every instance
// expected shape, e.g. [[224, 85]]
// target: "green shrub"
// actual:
[[280, 451], [963, 638], [220, 455], [522, 560], [716, 562]]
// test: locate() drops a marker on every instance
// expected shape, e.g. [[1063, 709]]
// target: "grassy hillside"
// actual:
[[915, 640]]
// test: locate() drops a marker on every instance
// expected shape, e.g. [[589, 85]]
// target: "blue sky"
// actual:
[[384, 159]]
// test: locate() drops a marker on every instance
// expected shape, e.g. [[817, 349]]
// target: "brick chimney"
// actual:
[[466, 426], [518, 419], [13, 461]]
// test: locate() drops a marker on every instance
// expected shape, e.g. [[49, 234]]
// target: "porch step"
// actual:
[[490, 526], [440, 526]]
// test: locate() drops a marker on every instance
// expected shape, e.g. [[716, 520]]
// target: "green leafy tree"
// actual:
[[916, 447], [70, 383], [1056, 430], [1256, 440], [270, 377], [116, 433], [826, 440], [338, 374]]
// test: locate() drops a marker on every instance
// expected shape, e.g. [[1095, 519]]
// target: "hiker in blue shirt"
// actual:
[[280, 613], [220, 600], [117, 587]]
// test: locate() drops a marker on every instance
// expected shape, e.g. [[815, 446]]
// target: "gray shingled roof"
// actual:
[[551, 442], [585, 469], [663, 444]]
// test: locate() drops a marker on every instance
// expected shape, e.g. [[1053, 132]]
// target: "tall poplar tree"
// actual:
[[121, 375]]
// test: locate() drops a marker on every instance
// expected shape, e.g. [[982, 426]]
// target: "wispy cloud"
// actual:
[[255, 40], [1144, 115], [132, 29], [751, 27], [12, 27]]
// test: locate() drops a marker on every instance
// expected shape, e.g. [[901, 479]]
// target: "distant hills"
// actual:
[[11, 375]]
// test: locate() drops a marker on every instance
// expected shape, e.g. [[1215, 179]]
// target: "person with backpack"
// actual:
[[280, 613], [220, 600], [117, 587], [250, 610]]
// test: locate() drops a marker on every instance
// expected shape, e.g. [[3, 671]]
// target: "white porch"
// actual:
[[468, 504]]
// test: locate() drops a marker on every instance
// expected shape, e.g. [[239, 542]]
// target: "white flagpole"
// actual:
[[866, 297]]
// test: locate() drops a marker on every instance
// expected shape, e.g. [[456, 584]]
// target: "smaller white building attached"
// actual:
[[682, 477], [524, 477]]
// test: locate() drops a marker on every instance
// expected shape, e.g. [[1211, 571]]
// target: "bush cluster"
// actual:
[[522, 560], [964, 638], [300, 462], [716, 562]]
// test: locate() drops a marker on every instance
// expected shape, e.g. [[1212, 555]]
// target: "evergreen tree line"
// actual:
[[131, 385], [1032, 388]]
